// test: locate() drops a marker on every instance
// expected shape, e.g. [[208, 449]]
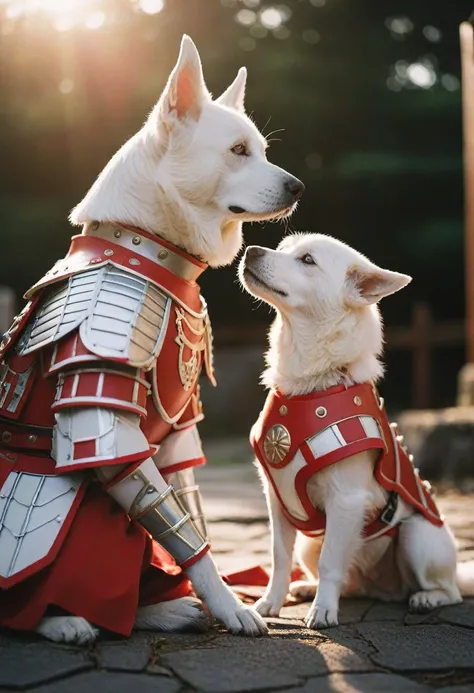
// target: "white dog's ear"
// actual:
[[185, 92], [367, 285], [234, 95]]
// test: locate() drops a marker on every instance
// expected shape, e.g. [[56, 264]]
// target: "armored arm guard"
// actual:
[[149, 500], [175, 459]]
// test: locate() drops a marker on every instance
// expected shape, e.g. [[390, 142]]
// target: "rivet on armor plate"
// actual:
[[381, 402], [58, 518], [277, 444], [133, 261], [283, 410], [6, 436], [117, 233], [32, 439], [321, 412], [357, 401], [95, 225], [163, 254], [108, 252], [136, 240]]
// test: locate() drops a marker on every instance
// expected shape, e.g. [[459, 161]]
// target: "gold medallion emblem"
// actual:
[[277, 444]]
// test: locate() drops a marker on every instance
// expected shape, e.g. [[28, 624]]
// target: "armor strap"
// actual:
[[155, 505]]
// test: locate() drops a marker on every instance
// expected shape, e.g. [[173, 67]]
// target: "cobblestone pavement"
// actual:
[[377, 648]]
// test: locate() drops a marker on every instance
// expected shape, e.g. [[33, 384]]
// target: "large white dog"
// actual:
[[324, 441], [195, 171]]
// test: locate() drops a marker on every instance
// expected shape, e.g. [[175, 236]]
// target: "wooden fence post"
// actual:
[[7, 308], [467, 61], [421, 355]]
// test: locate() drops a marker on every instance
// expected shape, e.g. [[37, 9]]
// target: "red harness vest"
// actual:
[[294, 438]]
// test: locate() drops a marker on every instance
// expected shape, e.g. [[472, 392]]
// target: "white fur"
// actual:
[[180, 614], [328, 330], [179, 178]]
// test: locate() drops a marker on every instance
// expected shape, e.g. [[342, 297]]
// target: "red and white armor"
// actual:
[[296, 437], [99, 401]]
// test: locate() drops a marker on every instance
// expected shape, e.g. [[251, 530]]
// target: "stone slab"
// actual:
[[419, 648], [387, 611], [262, 665], [361, 683], [458, 614], [112, 682], [131, 655], [23, 665]]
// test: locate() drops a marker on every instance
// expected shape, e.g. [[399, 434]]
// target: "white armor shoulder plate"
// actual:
[[93, 436], [33, 509], [121, 316]]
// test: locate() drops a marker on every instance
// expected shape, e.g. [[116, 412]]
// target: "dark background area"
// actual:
[[367, 91]]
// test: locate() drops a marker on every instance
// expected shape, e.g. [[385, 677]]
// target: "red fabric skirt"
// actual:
[[107, 566]]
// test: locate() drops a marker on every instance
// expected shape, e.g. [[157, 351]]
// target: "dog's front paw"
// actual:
[[74, 630], [243, 620], [424, 601], [321, 617], [267, 607]]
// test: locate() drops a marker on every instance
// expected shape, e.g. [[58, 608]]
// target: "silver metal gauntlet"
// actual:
[[190, 496], [164, 516]]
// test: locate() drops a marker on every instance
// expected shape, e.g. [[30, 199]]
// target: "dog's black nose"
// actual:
[[295, 187], [254, 251]]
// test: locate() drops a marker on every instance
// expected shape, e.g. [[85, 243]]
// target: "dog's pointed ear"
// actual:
[[185, 92], [365, 285], [234, 95]]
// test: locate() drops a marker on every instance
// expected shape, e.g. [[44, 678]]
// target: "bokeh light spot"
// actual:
[[399, 25], [66, 86], [421, 75], [450, 82], [246, 17], [271, 18], [431, 33], [151, 6], [95, 20], [311, 36]]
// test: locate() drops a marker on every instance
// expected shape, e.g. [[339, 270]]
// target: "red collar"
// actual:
[[313, 395]]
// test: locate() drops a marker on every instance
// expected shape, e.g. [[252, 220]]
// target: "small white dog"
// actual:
[[195, 171], [325, 345]]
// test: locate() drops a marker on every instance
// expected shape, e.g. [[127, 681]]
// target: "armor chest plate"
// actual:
[[295, 438]]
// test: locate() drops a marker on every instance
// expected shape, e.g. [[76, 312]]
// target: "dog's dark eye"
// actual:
[[307, 259], [240, 149]]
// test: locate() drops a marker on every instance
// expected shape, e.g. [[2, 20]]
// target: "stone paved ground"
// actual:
[[378, 648]]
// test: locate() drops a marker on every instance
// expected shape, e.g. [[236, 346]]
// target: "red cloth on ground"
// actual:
[[106, 567]]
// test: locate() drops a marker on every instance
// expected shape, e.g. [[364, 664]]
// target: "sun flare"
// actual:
[[65, 14]]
